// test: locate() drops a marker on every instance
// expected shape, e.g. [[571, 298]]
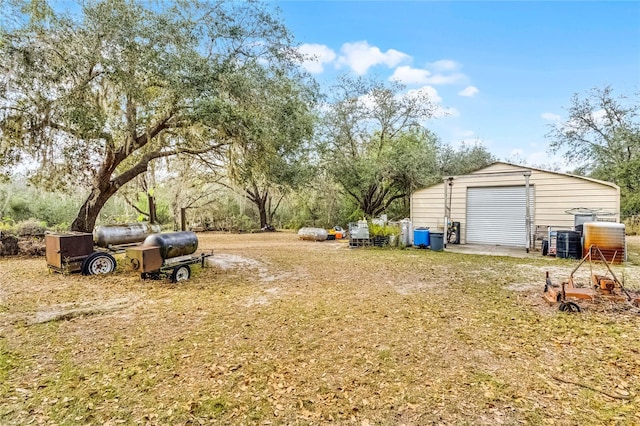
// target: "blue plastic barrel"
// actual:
[[421, 237]]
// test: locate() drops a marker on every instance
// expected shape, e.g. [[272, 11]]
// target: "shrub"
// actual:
[[31, 227]]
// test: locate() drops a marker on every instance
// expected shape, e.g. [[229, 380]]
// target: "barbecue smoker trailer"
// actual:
[[166, 255], [160, 255], [75, 251]]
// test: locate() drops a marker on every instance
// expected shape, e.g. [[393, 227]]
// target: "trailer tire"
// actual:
[[181, 273], [570, 307], [98, 263]]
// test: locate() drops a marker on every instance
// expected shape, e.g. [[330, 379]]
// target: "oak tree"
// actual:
[[375, 144], [601, 136], [91, 93]]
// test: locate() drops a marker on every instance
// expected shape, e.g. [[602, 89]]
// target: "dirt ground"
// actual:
[[276, 330]]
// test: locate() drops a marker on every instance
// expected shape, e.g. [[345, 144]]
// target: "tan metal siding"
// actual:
[[427, 206], [554, 193]]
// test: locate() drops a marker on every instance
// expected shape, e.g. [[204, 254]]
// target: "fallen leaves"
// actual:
[[360, 337]]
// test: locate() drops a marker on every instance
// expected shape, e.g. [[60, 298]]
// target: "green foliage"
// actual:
[[374, 145], [376, 230], [601, 135], [465, 159], [269, 156], [632, 225], [21, 203], [228, 211], [95, 96], [23, 228], [321, 204], [8, 226], [31, 227]]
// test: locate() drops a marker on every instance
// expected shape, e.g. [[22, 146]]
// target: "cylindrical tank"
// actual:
[[608, 237], [421, 237], [173, 244], [127, 233], [568, 245], [456, 237], [406, 232], [313, 234]]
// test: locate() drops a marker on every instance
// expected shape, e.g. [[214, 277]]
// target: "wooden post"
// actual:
[[183, 219]]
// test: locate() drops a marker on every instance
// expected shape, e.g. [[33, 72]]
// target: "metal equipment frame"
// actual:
[[178, 269], [607, 287]]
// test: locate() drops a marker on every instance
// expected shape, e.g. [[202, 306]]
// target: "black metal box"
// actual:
[[67, 251]]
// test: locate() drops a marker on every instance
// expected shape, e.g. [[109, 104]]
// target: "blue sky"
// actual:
[[503, 70]]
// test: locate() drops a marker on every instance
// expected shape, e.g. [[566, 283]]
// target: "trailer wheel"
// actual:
[[569, 307], [181, 273], [98, 263]]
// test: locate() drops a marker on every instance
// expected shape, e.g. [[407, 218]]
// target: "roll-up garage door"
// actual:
[[497, 215]]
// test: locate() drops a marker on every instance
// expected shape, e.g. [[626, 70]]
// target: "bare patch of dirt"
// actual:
[[228, 261], [72, 310]]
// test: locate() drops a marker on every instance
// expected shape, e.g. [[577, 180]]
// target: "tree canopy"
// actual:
[[93, 97], [270, 155], [375, 144], [601, 135]]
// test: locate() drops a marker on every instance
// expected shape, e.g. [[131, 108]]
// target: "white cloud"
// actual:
[[600, 117], [429, 91], [463, 134], [444, 65], [360, 56], [539, 158], [447, 79], [550, 116], [469, 91], [317, 56], [409, 75], [458, 142], [439, 110], [446, 112]]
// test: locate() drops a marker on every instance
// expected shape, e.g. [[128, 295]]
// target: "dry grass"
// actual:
[[282, 331]]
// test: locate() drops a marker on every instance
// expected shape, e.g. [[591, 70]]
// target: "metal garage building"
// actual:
[[492, 207]]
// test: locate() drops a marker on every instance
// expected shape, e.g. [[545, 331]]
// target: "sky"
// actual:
[[504, 71]]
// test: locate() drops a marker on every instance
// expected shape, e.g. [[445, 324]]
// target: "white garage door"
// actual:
[[497, 215]]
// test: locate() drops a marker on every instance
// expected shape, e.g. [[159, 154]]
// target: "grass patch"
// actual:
[[292, 332]]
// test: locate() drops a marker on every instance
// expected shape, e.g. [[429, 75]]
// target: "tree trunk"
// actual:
[[153, 215], [88, 214], [262, 209], [183, 219]]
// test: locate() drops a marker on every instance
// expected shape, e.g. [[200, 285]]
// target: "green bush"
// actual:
[[31, 227], [376, 230], [632, 225], [23, 228], [8, 226]]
